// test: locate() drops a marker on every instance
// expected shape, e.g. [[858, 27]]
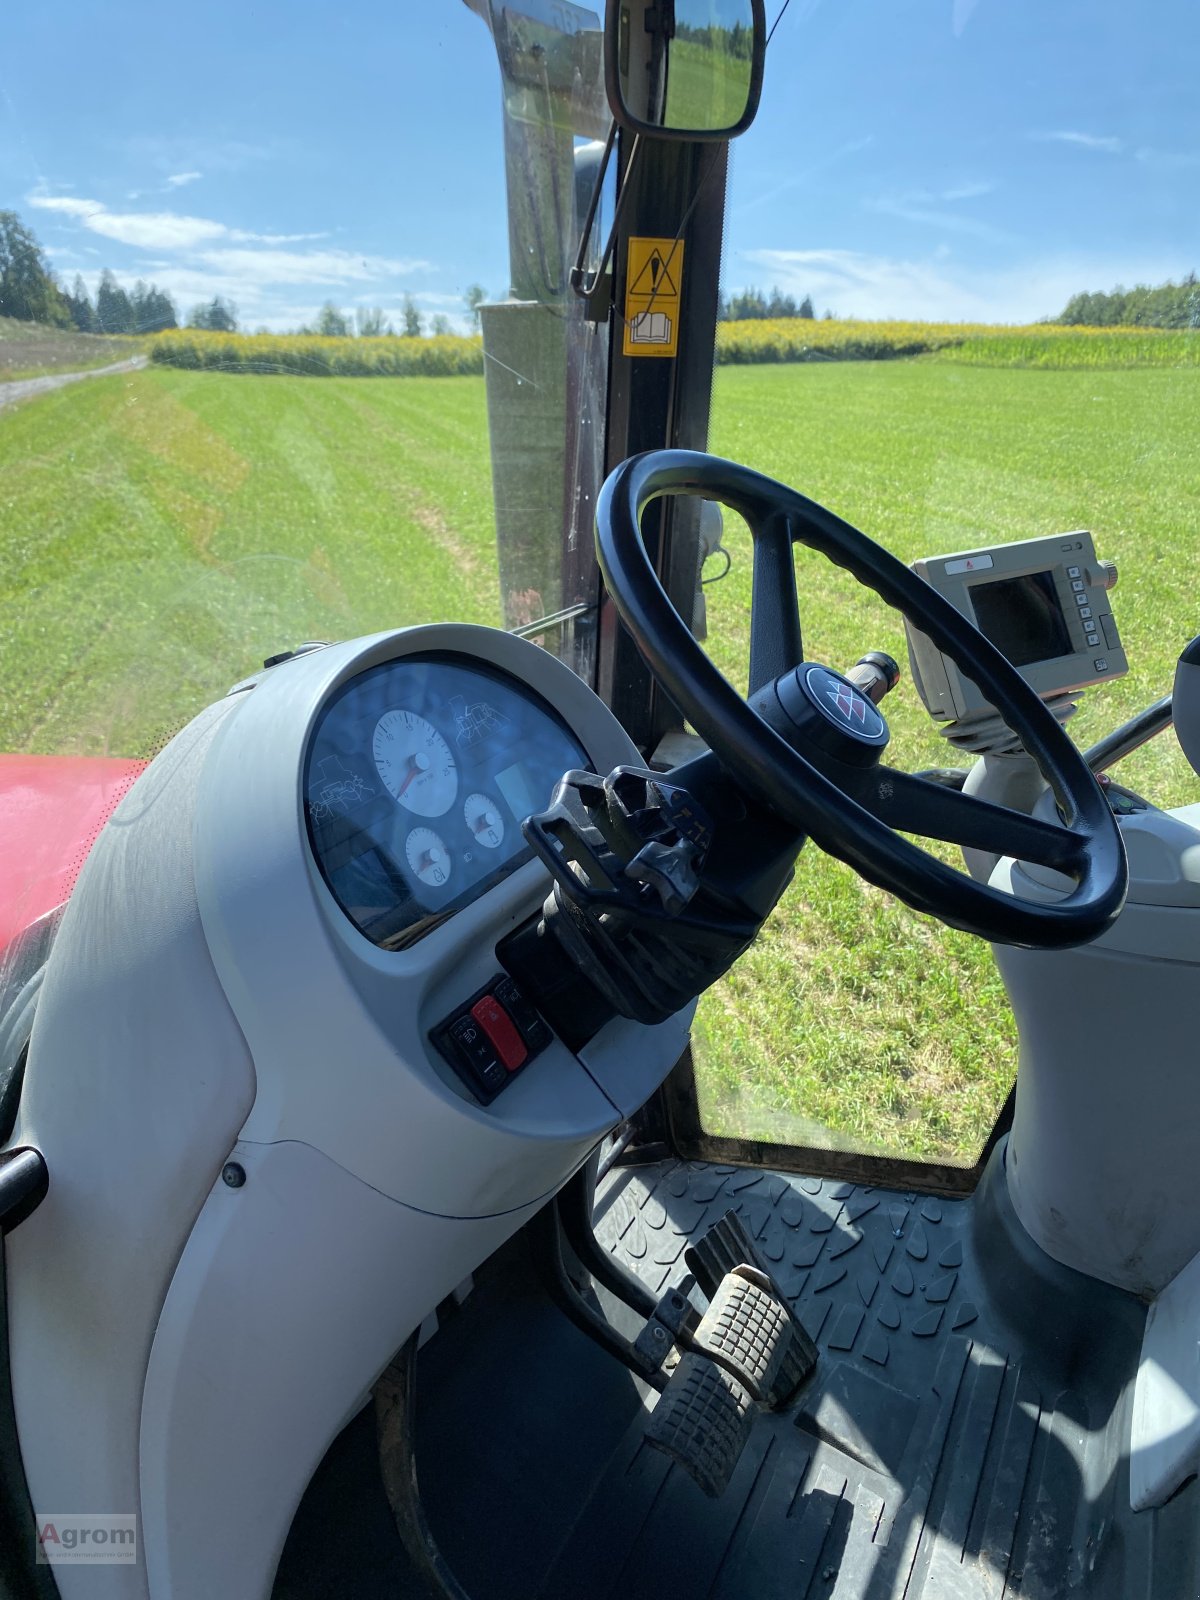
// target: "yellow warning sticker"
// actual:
[[653, 279]]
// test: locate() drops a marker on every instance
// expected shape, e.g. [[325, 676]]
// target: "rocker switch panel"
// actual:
[[501, 1031], [490, 1037]]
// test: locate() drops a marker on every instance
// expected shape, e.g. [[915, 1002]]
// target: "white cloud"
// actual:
[[307, 266], [67, 204], [240, 236], [178, 179], [1086, 141], [157, 230], [154, 230], [195, 258], [869, 287]]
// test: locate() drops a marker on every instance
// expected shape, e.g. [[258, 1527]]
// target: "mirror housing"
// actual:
[[684, 69]]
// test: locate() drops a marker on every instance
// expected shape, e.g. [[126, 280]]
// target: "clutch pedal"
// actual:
[[749, 1350]]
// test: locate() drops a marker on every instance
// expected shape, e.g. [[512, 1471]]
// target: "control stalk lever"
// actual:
[[876, 674]]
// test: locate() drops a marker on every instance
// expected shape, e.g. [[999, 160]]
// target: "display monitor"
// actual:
[[1043, 602]]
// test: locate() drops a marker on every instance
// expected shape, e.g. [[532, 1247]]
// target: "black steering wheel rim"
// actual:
[[776, 774]]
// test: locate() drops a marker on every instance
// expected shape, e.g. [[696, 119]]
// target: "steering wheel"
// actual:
[[816, 761]]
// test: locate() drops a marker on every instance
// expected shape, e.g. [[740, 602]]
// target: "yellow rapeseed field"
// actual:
[[738, 343]]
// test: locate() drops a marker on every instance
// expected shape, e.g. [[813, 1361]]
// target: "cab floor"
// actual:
[[964, 1435]]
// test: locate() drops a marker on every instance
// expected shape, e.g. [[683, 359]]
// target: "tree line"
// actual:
[[751, 305], [372, 322], [30, 292], [1167, 305]]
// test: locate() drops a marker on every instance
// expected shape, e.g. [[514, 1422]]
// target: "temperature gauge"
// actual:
[[484, 820], [428, 856]]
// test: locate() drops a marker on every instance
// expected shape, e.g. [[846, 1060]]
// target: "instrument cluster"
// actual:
[[418, 776]]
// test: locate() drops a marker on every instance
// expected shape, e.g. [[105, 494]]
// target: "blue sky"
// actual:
[[923, 158]]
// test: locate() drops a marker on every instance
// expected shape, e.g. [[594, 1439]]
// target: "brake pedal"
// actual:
[[702, 1421], [748, 1351], [754, 1334], [750, 1327]]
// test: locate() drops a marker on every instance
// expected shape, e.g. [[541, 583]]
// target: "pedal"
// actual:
[[724, 1246], [749, 1327], [755, 1336], [702, 1421]]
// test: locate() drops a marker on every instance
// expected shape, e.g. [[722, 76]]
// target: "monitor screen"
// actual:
[[1023, 618]]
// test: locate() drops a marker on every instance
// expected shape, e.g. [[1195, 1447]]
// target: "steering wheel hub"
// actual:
[[828, 712]]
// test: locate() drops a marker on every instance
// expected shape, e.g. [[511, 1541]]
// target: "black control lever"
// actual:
[[630, 905]]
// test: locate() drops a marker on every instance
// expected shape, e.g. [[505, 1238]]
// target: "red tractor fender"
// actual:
[[52, 809]]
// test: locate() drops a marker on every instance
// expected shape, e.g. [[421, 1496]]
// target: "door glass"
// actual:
[[296, 444], [922, 276], [252, 270]]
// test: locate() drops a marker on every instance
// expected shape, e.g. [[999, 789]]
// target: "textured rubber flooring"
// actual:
[[964, 1436]]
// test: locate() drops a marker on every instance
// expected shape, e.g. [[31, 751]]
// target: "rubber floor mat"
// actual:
[[954, 1440]]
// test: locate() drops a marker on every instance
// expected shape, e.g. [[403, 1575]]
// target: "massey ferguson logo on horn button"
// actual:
[[849, 704]]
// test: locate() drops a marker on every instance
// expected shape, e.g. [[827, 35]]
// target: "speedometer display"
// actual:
[[415, 763], [418, 776]]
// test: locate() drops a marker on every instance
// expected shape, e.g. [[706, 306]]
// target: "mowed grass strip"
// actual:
[[31, 350], [853, 1019], [161, 532]]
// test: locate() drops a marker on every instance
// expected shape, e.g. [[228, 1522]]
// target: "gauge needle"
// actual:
[[419, 765]]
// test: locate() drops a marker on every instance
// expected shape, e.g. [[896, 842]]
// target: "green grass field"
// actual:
[[30, 350], [164, 531], [852, 1013], [161, 532]]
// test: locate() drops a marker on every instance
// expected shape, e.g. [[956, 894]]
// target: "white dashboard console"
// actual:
[[270, 1152]]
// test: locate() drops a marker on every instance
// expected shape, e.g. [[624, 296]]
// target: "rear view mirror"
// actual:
[[684, 69]]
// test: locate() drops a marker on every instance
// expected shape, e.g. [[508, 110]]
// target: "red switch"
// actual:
[[501, 1030]]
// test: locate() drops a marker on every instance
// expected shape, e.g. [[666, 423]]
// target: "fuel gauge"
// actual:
[[484, 820], [428, 856]]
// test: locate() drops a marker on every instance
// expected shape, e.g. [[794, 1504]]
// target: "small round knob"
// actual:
[[1106, 574]]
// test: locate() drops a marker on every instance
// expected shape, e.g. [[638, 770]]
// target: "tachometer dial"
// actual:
[[484, 820], [428, 856], [415, 763]]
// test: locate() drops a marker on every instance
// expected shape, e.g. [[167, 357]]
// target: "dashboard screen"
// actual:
[[1023, 618], [418, 776]]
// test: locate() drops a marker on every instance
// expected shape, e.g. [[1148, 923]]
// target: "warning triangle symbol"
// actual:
[[654, 279]]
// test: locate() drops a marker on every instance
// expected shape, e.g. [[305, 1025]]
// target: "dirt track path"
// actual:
[[25, 388]]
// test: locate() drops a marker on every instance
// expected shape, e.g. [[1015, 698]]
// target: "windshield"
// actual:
[[289, 352]]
